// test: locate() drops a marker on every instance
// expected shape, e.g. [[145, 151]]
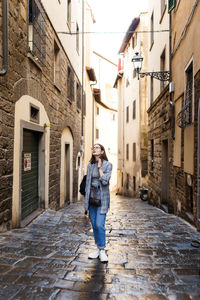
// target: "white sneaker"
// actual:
[[102, 256], [94, 254]]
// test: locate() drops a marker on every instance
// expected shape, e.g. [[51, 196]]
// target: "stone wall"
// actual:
[[160, 130], [26, 76]]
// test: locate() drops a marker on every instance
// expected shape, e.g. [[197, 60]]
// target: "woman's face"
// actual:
[[96, 150]]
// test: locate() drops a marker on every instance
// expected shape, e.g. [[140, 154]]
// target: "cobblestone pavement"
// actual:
[[150, 256]]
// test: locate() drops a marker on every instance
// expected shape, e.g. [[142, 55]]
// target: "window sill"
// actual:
[[34, 60]]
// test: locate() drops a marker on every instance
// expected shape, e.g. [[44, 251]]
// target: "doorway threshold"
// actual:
[[31, 217]]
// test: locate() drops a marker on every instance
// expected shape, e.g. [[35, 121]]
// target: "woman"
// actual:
[[97, 186]]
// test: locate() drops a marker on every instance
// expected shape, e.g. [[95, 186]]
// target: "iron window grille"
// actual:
[[37, 31], [184, 116], [70, 84], [78, 95], [152, 156]]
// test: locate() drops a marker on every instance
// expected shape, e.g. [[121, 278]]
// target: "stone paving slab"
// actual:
[[150, 256]]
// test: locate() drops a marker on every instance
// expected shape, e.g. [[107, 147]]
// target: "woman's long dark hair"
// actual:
[[103, 156]]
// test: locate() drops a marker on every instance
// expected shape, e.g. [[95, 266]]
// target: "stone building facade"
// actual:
[[40, 107], [160, 153]]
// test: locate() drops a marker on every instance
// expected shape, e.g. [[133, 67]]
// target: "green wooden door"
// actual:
[[29, 173]]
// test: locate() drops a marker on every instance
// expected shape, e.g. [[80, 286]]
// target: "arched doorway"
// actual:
[[66, 174]]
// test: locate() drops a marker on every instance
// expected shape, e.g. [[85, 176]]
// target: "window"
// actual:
[[188, 96], [127, 151], [97, 110], [151, 90], [144, 170], [36, 31], [97, 134], [113, 117], [134, 109], [77, 38], [171, 5], [56, 64], [34, 113], [127, 114], [152, 156], [69, 13], [163, 6], [134, 151], [122, 179], [70, 84], [162, 68], [152, 30], [78, 95], [134, 183]]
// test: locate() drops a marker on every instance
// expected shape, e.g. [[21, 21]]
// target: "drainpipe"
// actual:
[[83, 53], [95, 82], [170, 79], [5, 37]]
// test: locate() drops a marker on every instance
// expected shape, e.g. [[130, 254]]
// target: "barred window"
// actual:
[[78, 95], [56, 64], [70, 84], [152, 156], [36, 31], [188, 97]]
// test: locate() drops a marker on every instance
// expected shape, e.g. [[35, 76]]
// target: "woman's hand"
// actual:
[[99, 167], [99, 163]]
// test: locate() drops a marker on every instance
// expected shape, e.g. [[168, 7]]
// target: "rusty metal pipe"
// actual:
[[5, 37]]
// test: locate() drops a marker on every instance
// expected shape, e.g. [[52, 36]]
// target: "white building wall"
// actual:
[[57, 12], [161, 42], [131, 89], [105, 72]]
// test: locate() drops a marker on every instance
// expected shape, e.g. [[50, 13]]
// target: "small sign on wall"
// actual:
[[27, 162]]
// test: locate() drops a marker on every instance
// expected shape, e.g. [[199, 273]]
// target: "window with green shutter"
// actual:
[[171, 5]]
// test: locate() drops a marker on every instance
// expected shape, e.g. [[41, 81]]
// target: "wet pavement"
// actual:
[[150, 256]]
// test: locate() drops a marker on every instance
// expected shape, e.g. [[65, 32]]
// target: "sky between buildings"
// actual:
[[113, 16]]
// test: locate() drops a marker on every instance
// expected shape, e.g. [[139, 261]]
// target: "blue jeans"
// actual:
[[98, 225]]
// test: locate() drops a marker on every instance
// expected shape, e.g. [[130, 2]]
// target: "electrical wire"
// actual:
[[113, 32]]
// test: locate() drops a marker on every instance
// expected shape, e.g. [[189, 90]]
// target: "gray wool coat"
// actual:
[[104, 187]]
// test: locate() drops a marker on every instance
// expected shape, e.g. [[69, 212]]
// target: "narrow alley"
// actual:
[[150, 256]]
